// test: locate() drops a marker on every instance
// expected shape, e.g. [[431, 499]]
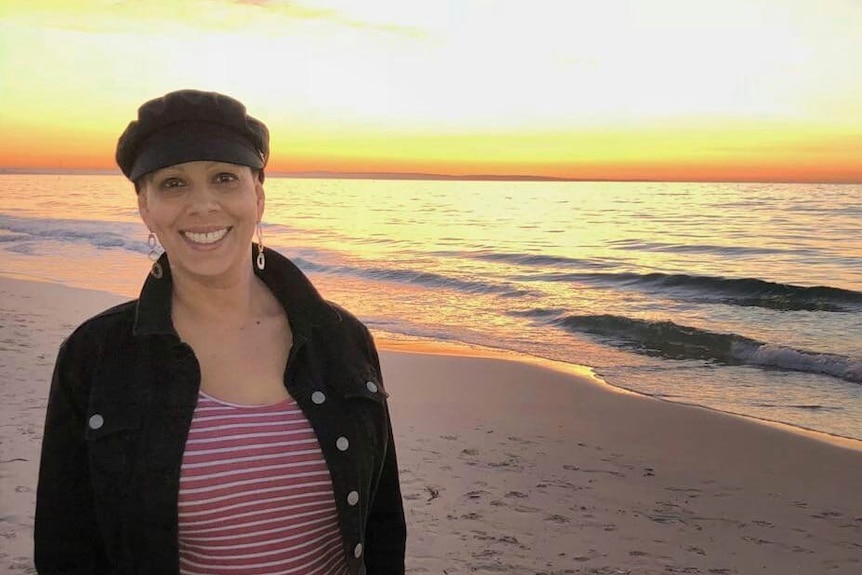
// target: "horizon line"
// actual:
[[324, 174]]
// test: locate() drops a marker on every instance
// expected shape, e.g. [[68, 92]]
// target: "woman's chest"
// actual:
[[245, 367]]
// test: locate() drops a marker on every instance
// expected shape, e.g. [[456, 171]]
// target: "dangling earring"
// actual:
[[156, 271], [261, 259]]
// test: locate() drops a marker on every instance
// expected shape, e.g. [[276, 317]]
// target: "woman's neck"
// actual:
[[227, 303]]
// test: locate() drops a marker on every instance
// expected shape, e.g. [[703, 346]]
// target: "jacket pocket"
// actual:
[[111, 433], [363, 383], [365, 400]]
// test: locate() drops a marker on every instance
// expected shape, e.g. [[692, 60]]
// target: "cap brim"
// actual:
[[194, 142]]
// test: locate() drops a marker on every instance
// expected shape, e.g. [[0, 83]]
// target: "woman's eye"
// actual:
[[171, 183], [225, 177]]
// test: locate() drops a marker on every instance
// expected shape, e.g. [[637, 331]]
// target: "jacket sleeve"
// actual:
[[66, 534], [386, 530]]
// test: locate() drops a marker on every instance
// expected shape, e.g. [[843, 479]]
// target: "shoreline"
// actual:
[[514, 464], [410, 344], [416, 344]]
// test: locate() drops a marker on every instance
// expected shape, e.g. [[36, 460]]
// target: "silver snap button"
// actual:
[[318, 397], [357, 551], [96, 421], [353, 498], [372, 387], [342, 444]]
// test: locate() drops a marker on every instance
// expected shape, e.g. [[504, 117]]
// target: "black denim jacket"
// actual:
[[121, 402]]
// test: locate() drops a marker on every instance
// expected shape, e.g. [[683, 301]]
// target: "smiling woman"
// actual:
[[230, 419]]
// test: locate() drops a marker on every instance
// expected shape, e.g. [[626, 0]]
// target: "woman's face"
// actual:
[[204, 214]]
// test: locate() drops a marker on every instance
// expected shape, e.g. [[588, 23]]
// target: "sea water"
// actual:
[[745, 298]]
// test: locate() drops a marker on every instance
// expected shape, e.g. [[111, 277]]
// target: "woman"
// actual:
[[230, 420]]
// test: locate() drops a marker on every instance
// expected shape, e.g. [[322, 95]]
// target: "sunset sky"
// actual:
[[609, 89]]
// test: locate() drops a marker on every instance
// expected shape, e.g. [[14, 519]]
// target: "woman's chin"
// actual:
[[211, 266]]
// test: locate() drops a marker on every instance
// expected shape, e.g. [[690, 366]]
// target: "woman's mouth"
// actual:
[[205, 238]]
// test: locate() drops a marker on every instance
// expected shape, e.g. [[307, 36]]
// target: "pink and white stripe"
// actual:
[[255, 494]]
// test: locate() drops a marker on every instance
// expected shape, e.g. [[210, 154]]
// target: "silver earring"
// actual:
[[156, 271], [261, 259]]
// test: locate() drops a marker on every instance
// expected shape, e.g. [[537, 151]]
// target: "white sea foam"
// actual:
[[771, 355]]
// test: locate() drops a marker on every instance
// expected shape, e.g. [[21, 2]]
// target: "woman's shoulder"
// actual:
[[347, 321], [107, 325]]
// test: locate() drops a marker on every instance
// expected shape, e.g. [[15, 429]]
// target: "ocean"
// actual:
[[744, 298]]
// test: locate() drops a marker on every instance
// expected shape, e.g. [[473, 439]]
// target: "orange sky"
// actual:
[[660, 89]]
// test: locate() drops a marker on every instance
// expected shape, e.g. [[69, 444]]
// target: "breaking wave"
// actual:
[[670, 340]]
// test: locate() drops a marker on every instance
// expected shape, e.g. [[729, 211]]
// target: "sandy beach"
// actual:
[[510, 465]]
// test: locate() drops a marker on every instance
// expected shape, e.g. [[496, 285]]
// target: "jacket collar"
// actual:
[[304, 306]]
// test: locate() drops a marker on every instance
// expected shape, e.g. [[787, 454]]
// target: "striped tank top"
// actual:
[[255, 494]]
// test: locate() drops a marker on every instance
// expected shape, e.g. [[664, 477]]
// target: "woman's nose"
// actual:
[[203, 198]]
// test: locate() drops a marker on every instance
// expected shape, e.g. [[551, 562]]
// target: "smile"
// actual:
[[205, 238]]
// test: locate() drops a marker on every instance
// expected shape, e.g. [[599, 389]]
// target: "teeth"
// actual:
[[206, 237]]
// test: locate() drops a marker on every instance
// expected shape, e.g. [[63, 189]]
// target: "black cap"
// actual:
[[190, 125]]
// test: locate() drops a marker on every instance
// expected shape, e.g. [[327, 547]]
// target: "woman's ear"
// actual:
[[143, 210]]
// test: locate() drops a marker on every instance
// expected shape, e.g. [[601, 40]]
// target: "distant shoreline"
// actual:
[[426, 176]]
